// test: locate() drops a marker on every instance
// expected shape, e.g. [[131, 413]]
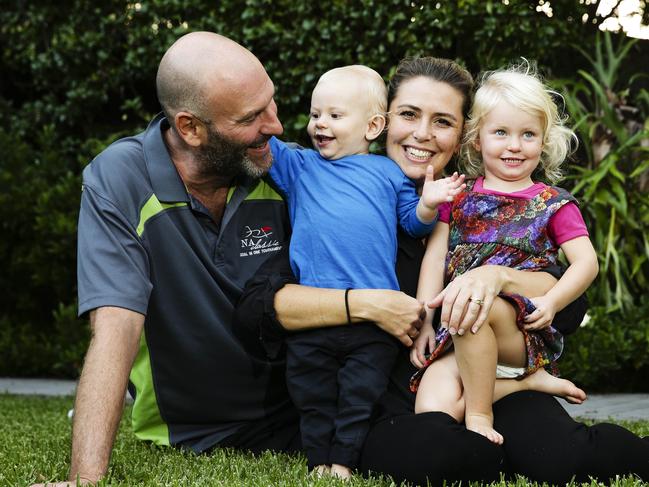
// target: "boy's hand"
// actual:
[[425, 342], [436, 192], [543, 315]]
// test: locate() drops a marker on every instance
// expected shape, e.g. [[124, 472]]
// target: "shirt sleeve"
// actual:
[[254, 314], [287, 164], [444, 212], [566, 224], [407, 200], [112, 264]]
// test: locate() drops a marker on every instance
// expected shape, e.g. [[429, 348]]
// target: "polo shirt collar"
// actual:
[[164, 177], [165, 180]]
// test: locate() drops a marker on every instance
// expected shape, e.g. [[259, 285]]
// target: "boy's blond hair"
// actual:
[[377, 92], [521, 87]]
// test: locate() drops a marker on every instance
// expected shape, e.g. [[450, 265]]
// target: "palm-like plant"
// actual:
[[611, 177]]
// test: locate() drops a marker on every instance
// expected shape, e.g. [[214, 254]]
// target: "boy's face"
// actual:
[[339, 117]]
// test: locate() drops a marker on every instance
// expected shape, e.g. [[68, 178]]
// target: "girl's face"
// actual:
[[425, 126], [511, 142]]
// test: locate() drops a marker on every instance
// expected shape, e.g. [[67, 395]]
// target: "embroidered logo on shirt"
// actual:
[[255, 241]]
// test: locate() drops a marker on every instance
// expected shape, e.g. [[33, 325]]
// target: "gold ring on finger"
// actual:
[[477, 301]]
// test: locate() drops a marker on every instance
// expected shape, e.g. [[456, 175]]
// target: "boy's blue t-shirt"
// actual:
[[344, 214]]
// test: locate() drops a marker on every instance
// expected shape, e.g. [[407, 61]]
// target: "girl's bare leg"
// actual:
[[540, 381], [440, 389], [477, 355]]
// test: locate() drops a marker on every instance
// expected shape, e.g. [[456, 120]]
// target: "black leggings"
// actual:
[[542, 442], [430, 447], [545, 444]]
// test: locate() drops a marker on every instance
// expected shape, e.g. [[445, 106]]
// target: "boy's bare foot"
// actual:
[[483, 425], [321, 470], [543, 381], [341, 471]]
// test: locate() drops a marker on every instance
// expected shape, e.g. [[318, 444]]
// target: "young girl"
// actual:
[[503, 217]]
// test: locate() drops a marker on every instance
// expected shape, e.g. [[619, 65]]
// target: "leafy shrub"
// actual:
[[611, 351], [39, 205]]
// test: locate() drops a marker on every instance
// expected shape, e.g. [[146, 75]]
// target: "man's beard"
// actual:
[[222, 156]]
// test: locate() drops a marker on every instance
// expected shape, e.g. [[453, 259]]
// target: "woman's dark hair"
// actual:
[[437, 69]]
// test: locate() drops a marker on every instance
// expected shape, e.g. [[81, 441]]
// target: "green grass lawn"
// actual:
[[35, 442]]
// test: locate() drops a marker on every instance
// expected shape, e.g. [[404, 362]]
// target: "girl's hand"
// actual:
[[436, 192], [543, 315], [424, 343]]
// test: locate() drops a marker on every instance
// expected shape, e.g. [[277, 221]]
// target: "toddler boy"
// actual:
[[344, 204]]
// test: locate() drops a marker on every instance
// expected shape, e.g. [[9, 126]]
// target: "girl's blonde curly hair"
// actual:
[[521, 87]]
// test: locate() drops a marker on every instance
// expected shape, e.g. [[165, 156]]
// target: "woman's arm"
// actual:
[[273, 303], [300, 307]]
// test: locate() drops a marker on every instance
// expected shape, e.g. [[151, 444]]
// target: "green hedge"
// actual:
[[610, 351], [77, 75]]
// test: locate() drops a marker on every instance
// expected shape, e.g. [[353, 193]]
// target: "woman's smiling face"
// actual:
[[425, 126]]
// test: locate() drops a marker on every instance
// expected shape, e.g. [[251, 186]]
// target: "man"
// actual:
[[172, 224]]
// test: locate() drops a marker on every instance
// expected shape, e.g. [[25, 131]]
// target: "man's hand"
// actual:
[[100, 394], [543, 315], [68, 483]]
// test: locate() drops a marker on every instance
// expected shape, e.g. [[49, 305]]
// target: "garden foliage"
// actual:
[[76, 75]]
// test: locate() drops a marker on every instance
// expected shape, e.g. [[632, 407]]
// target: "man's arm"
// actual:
[[100, 394]]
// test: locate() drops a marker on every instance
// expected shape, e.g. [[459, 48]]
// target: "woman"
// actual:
[[428, 101]]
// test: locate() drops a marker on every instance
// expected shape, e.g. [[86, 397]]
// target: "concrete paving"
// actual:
[[40, 387], [611, 406], [598, 406]]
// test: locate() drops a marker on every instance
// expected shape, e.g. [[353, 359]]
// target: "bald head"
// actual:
[[199, 68]]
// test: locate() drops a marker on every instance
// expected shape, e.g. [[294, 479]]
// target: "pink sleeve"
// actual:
[[566, 224], [444, 212]]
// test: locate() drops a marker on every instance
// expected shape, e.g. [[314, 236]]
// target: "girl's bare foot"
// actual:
[[543, 381], [321, 470], [483, 425], [341, 471]]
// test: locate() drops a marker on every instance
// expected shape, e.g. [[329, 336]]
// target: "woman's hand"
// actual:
[[467, 300], [393, 311]]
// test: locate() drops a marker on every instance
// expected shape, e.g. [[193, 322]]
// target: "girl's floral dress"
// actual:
[[508, 231]]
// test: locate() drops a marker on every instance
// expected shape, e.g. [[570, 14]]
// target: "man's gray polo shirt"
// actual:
[[148, 246]]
